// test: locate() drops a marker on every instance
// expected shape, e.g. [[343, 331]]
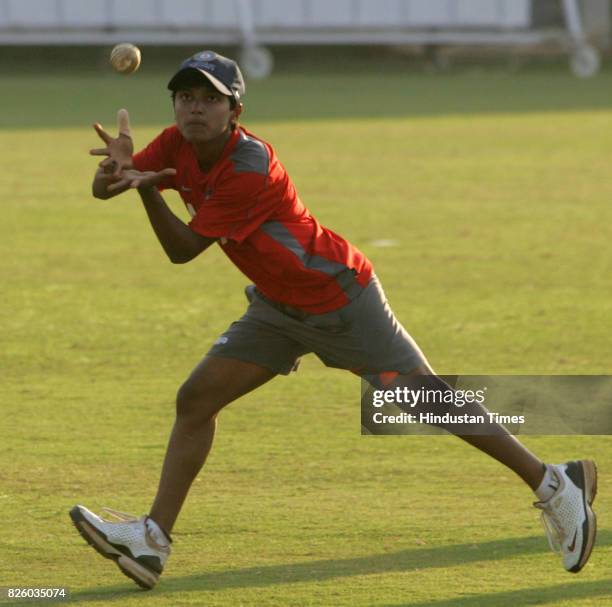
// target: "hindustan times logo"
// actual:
[[422, 396]]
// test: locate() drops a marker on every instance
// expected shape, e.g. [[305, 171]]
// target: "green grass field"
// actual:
[[496, 187]]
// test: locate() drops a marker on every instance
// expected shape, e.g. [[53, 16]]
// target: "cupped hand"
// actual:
[[118, 149], [131, 178]]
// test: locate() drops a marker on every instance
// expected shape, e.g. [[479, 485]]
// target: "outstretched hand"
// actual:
[[131, 178], [118, 149]]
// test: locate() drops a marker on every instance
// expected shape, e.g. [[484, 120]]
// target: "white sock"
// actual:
[[157, 533], [548, 486]]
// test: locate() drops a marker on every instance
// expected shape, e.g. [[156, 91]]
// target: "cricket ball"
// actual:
[[125, 58]]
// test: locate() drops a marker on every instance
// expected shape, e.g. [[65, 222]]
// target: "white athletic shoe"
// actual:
[[569, 522], [127, 542]]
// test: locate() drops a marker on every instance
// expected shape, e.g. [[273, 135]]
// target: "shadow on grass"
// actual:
[[522, 598], [76, 100], [404, 560]]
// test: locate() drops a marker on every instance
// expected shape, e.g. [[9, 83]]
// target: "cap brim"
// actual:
[[175, 81]]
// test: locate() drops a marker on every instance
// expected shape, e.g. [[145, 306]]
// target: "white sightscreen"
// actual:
[[210, 14]]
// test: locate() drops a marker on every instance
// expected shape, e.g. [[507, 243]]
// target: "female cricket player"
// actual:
[[312, 292]]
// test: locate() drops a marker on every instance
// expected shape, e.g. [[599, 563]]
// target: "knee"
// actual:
[[195, 403], [424, 378], [428, 393]]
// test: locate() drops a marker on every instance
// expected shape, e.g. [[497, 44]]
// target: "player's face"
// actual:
[[202, 113]]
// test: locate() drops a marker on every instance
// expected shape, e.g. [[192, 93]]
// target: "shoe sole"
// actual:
[[144, 577], [588, 470]]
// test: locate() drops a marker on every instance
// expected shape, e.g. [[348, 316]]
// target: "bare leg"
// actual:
[[214, 383], [507, 449], [500, 444]]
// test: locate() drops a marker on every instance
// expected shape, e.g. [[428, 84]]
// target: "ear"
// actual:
[[238, 110]]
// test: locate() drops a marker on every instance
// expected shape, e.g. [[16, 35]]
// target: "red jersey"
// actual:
[[249, 203]]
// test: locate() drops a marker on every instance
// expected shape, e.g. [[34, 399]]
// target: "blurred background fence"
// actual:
[[580, 28]]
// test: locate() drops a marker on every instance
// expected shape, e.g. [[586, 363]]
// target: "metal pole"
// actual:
[[246, 22], [573, 21], [585, 59], [5, 13]]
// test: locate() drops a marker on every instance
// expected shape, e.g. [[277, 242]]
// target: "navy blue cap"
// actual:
[[223, 73]]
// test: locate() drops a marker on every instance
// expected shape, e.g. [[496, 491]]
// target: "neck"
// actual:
[[209, 152]]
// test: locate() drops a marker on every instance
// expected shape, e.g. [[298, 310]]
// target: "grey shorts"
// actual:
[[364, 336]]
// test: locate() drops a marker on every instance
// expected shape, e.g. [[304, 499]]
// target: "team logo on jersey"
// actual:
[[221, 340]]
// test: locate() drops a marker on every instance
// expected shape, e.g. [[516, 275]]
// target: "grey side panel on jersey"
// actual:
[[343, 274], [250, 156], [281, 234]]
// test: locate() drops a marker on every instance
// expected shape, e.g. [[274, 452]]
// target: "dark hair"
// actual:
[[194, 79]]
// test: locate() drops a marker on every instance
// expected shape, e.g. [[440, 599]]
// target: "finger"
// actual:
[[156, 178], [117, 169], [118, 185], [108, 177], [99, 152], [123, 122], [102, 133], [108, 165], [136, 183], [110, 168]]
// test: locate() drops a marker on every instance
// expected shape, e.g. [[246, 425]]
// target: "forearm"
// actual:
[[179, 242]]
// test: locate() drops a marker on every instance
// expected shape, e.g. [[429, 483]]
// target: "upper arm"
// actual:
[[198, 245]]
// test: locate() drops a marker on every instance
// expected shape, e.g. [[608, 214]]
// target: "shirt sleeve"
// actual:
[[158, 155], [238, 206]]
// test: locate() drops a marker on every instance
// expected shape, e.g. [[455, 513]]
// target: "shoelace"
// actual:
[[552, 527], [124, 517], [121, 516]]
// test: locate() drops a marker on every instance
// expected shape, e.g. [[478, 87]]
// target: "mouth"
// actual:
[[196, 123]]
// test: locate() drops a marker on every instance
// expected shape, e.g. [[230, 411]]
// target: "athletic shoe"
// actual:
[[569, 522], [127, 542]]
